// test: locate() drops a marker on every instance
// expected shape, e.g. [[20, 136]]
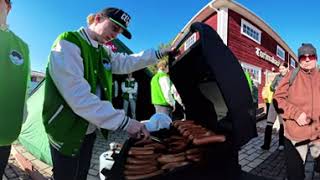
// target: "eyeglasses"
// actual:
[[305, 57]]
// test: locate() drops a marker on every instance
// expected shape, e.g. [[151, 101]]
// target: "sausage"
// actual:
[[178, 123], [156, 146], [147, 156], [141, 148], [131, 160], [146, 170], [177, 146], [193, 151], [144, 176], [173, 165], [208, 139], [174, 138], [194, 131], [163, 159], [197, 135], [194, 157], [133, 152], [188, 126], [143, 142], [135, 167]]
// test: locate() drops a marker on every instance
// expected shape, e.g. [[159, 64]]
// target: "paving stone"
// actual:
[[28, 156], [90, 177], [247, 168], [243, 162]]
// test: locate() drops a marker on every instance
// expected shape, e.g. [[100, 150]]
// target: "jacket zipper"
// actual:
[[55, 114]]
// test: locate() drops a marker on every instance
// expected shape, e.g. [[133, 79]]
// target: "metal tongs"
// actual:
[[154, 138]]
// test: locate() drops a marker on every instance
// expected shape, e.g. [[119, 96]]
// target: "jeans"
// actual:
[[164, 109], [132, 103], [73, 168], [4, 156]]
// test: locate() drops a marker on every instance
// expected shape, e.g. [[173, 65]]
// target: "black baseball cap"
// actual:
[[119, 17]]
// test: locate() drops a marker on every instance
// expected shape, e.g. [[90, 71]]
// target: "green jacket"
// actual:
[[157, 97], [14, 77], [66, 130]]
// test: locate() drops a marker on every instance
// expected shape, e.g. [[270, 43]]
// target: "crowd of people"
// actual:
[[291, 97]]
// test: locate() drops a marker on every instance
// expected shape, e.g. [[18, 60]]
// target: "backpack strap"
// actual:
[[293, 75]]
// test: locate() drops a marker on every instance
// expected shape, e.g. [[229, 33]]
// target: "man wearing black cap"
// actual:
[[14, 75], [297, 101], [78, 91]]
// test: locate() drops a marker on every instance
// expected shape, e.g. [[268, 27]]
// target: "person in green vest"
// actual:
[[14, 77], [161, 94], [78, 91], [129, 89]]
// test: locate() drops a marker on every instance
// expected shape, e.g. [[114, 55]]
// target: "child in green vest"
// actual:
[[78, 91], [129, 94], [161, 94], [14, 76]]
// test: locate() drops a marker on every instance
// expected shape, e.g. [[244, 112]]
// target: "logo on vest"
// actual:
[[106, 64], [16, 58]]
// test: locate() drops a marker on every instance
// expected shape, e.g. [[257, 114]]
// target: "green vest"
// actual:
[[66, 130], [128, 84], [249, 80], [14, 77], [157, 97]]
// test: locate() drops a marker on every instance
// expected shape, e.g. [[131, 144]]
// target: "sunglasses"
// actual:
[[305, 57], [8, 1]]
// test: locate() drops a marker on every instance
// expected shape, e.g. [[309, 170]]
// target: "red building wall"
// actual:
[[212, 21], [245, 48]]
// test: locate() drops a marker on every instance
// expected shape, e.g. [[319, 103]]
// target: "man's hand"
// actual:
[[137, 130], [303, 120]]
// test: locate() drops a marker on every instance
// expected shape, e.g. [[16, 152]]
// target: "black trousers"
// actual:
[[4, 156], [73, 168], [294, 163]]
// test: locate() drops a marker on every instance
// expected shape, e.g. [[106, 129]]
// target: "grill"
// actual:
[[215, 93]]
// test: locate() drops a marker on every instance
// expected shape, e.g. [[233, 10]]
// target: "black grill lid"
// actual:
[[212, 85]]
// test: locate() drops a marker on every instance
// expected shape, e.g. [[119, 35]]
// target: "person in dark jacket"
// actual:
[[272, 114]]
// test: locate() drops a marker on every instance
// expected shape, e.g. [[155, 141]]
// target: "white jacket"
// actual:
[[66, 70]]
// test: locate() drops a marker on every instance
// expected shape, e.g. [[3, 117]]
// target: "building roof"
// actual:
[[37, 73], [214, 6]]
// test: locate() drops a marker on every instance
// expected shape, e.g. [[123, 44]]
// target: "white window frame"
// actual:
[[292, 63], [246, 66], [279, 49], [244, 22]]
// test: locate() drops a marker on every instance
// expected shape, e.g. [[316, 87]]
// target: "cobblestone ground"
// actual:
[[14, 172], [270, 164]]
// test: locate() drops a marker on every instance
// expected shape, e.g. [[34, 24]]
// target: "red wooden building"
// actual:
[[256, 45]]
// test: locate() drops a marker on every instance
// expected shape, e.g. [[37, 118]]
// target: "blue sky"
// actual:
[[153, 21]]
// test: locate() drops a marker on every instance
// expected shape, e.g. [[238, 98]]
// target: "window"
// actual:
[[280, 52], [292, 63], [254, 71], [250, 31]]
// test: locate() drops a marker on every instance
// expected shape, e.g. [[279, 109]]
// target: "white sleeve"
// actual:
[[135, 89], [176, 95], [116, 88], [123, 87], [165, 88], [125, 64], [66, 70]]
